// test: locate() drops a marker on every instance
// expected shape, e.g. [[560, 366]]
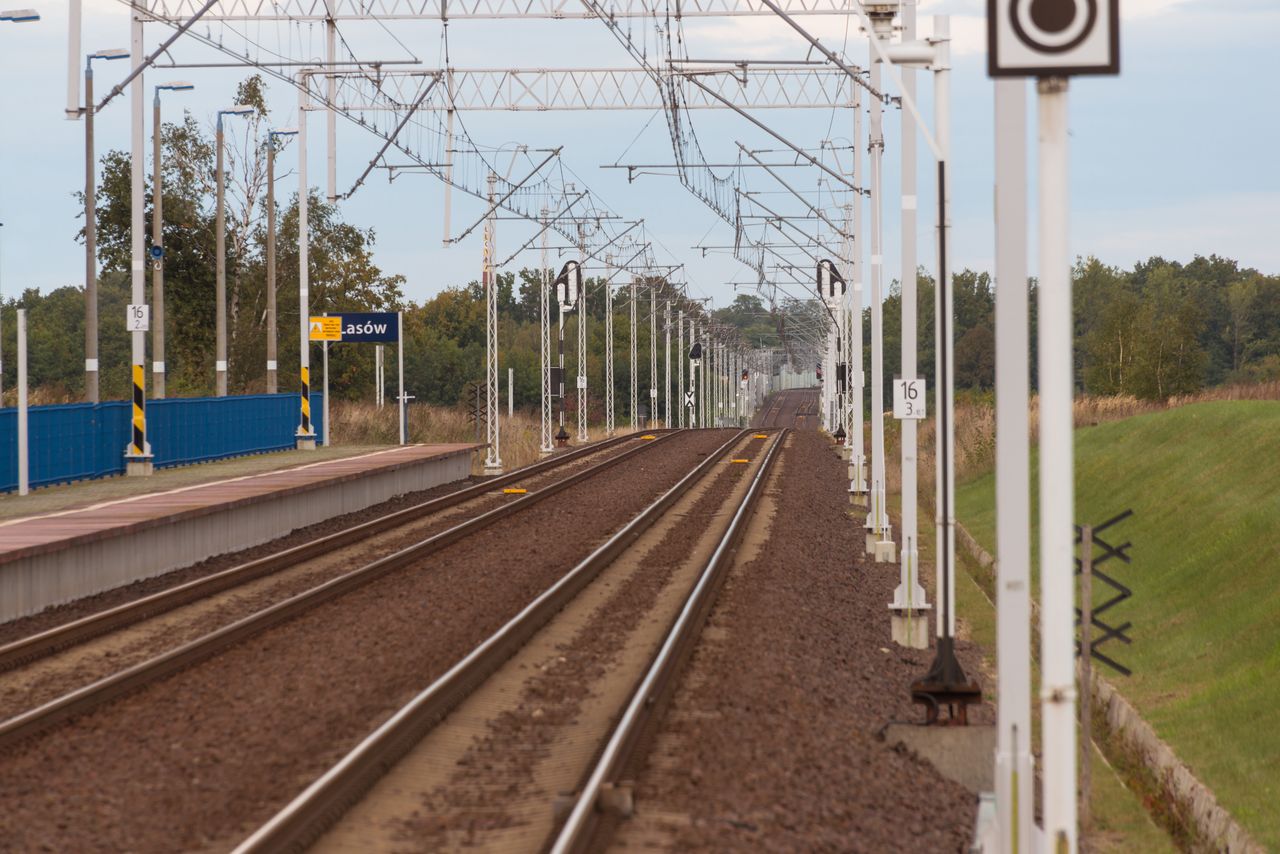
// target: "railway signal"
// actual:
[[1051, 40], [568, 286], [690, 396]]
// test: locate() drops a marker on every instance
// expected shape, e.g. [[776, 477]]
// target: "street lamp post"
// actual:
[[157, 238], [221, 357], [91, 229], [271, 254]]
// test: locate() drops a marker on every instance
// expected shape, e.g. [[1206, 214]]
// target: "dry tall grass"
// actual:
[[976, 426], [366, 424]]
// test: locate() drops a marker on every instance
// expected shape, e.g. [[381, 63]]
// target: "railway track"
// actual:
[[480, 756], [429, 527]]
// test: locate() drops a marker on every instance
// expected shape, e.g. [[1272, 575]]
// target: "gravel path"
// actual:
[[771, 741], [199, 760]]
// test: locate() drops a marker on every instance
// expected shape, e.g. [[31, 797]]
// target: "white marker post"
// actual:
[[24, 461], [404, 402]]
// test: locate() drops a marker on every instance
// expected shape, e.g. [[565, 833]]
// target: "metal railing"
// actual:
[[81, 441]]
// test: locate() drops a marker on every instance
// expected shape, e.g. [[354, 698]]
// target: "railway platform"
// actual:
[[54, 557]]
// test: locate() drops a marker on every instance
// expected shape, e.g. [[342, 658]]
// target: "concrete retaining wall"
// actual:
[[1212, 824], [60, 574]]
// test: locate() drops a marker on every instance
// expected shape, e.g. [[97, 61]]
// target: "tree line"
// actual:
[[1160, 329], [1163, 328]]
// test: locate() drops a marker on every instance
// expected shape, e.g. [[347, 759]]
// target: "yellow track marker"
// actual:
[[514, 491], [739, 461], [761, 436], [648, 438]]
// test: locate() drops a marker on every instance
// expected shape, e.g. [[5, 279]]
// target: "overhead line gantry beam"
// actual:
[[456, 10]]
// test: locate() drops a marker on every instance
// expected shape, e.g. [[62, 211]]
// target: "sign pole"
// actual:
[[909, 597], [879, 540], [1024, 41], [23, 460], [328, 428], [1014, 776], [1057, 487]]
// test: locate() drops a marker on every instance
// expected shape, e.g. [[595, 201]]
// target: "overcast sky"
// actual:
[[1175, 157]]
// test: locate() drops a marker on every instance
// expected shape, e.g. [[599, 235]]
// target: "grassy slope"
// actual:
[[1204, 484]]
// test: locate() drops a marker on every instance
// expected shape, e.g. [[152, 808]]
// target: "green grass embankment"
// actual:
[[1204, 484]]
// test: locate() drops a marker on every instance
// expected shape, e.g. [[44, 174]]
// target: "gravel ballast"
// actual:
[[771, 741], [199, 760]]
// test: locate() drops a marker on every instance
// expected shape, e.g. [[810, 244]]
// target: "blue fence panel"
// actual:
[[193, 429], [79, 441]]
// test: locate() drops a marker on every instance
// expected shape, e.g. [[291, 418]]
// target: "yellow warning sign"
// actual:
[[326, 329]]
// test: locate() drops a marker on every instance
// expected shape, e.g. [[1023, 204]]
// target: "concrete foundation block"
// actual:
[[964, 754], [910, 628], [306, 443], [885, 551], [138, 467]]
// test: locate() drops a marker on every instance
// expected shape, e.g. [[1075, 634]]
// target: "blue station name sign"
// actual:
[[366, 326]]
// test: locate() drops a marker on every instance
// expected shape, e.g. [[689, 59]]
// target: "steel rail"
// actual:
[[34, 647], [147, 672], [583, 828], [322, 803]]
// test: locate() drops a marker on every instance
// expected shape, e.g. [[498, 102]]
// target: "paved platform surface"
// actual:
[[29, 535], [66, 496]]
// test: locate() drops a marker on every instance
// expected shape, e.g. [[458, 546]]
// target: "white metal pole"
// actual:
[[653, 354], [1014, 768], [404, 427], [511, 392], [493, 458], [877, 519], [946, 392], [23, 456], [582, 347], [857, 425], [634, 379], [666, 365], [544, 322], [139, 446], [378, 381], [331, 96], [220, 268], [1057, 488], [680, 357], [909, 597], [74, 58], [610, 423], [306, 435], [828, 366]]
